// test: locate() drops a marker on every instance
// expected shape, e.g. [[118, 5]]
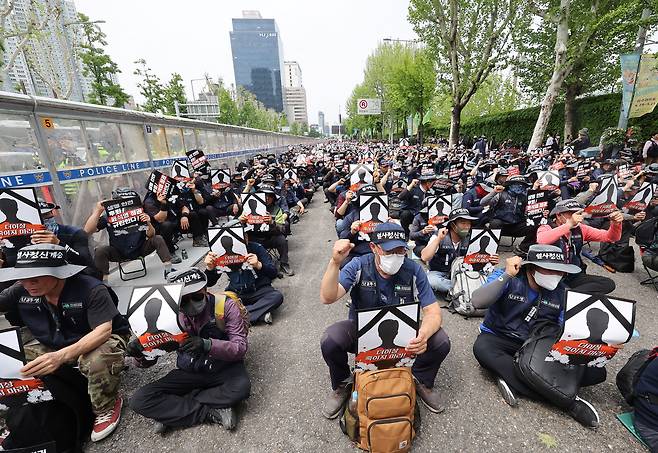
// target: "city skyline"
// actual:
[[330, 43]]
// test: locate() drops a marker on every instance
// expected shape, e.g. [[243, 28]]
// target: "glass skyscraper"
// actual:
[[257, 58]]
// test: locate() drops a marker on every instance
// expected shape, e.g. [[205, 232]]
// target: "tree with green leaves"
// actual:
[[150, 87], [228, 109], [469, 39], [412, 84], [580, 26], [174, 92], [99, 66]]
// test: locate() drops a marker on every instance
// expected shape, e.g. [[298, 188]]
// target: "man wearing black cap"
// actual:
[[384, 277], [508, 204], [449, 243], [74, 318], [526, 294], [570, 233], [412, 198], [210, 378]]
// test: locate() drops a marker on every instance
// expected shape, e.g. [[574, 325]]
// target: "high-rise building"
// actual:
[[321, 123], [46, 65], [294, 93], [258, 58]]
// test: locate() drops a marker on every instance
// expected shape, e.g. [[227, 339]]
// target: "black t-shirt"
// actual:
[[129, 245]]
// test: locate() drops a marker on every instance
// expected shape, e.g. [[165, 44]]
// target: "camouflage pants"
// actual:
[[102, 368]]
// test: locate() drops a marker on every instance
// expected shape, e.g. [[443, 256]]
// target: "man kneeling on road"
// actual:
[[211, 377], [74, 318], [384, 277]]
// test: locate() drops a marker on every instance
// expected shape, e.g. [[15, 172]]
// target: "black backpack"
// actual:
[[629, 375], [620, 258]]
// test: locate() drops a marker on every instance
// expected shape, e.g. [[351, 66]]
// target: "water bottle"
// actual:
[[183, 254], [352, 405]]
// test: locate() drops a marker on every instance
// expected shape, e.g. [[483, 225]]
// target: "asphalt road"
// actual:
[[290, 382]]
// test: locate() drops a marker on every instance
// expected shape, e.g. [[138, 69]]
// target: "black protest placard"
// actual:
[[373, 210], [537, 204], [19, 216], [624, 171], [438, 209], [161, 184], [641, 199], [290, 174], [605, 201], [583, 168], [483, 244], [180, 171], [398, 186], [47, 447], [153, 317], [360, 174], [15, 389], [198, 161], [593, 323], [229, 244], [548, 180], [220, 179], [383, 335], [255, 208], [455, 170], [123, 215]]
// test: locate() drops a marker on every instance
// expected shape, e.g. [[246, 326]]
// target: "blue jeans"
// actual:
[[439, 281]]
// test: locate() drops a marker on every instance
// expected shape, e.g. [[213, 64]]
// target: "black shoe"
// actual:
[[167, 272], [160, 428], [175, 258], [506, 393], [285, 268], [225, 417], [584, 413]]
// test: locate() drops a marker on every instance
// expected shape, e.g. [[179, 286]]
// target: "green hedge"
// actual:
[[595, 113]]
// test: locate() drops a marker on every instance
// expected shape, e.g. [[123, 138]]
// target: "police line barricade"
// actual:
[[43, 177]]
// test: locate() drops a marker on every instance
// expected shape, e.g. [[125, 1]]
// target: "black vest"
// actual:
[[574, 245], [59, 326], [446, 254], [366, 293]]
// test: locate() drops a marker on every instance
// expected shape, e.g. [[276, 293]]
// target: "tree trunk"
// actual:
[[569, 111], [420, 128], [560, 72], [455, 123]]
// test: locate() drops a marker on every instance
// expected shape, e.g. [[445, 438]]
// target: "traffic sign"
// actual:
[[369, 106]]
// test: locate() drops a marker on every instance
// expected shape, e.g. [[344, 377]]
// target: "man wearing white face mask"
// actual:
[[526, 293], [384, 277]]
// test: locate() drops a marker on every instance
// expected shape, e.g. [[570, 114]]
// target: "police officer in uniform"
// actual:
[[74, 318], [384, 277], [518, 298]]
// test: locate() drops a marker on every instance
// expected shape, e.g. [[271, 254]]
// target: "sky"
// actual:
[[331, 40]]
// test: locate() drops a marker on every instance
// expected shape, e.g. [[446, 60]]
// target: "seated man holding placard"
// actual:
[[526, 294], [384, 277], [570, 233], [125, 246], [74, 319], [210, 378]]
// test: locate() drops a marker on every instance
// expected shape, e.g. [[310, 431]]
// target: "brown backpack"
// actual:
[[384, 417]]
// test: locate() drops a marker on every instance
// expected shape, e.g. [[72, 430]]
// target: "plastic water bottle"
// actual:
[[183, 254], [352, 405]]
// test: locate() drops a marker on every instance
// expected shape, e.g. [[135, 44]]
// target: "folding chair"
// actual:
[[132, 274], [644, 234]]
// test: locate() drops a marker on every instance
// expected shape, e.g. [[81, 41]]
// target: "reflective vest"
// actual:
[[59, 326], [366, 292], [513, 315], [446, 254]]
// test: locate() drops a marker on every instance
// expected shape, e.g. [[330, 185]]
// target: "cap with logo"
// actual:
[[46, 207], [549, 257], [193, 280], [40, 260], [389, 236]]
